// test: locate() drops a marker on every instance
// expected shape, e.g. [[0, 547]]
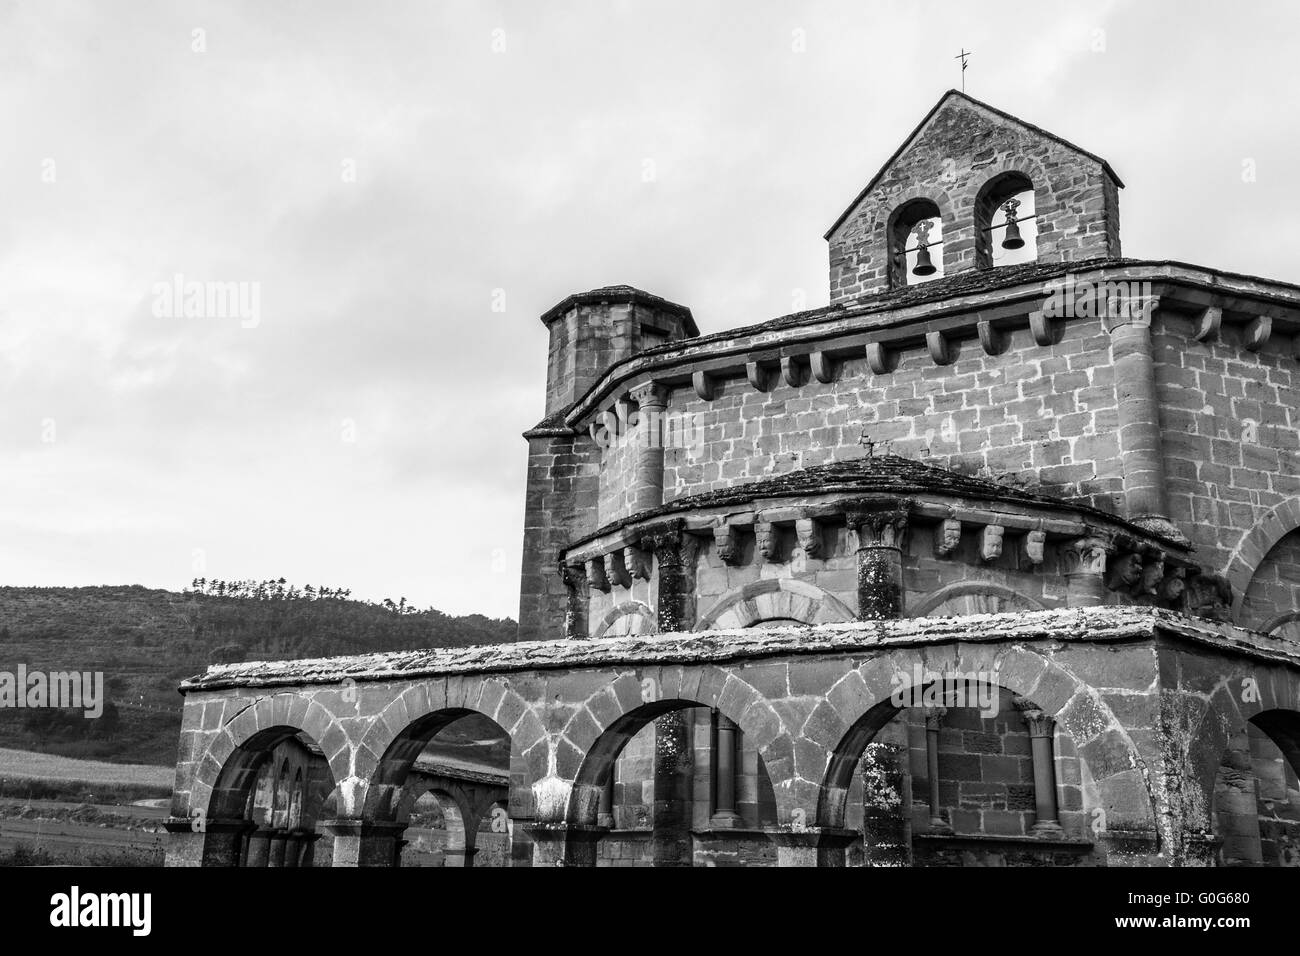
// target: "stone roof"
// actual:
[[621, 294], [1107, 624], [875, 474]]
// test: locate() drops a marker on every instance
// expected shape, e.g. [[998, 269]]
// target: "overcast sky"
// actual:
[[383, 172]]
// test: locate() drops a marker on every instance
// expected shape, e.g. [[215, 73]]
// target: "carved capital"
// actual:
[[948, 537], [666, 541], [991, 542], [573, 575], [649, 395], [765, 540], [1039, 723], [934, 717], [880, 527], [1086, 556]]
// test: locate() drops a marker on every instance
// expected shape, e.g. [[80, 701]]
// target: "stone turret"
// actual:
[[590, 331]]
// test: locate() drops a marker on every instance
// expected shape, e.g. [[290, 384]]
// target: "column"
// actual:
[[1141, 452], [880, 531], [259, 848], [365, 842], [575, 609], [1085, 572], [933, 722], [605, 809], [652, 400], [275, 855], [819, 846], [1040, 741], [670, 838], [201, 842], [724, 815]]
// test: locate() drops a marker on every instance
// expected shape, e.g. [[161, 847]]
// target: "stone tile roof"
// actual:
[[876, 474], [1108, 624], [622, 294]]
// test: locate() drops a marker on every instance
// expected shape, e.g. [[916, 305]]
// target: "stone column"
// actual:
[[1141, 450], [575, 613], [933, 722], [199, 842], [724, 815], [605, 809], [462, 857], [366, 843], [1085, 572], [652, 400], [563, 844], [819, 846], [275, 855], [880, 529], [259, 848], [1040, 741], [675, 611]]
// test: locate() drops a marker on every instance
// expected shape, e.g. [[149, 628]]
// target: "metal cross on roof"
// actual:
[[962, 56]]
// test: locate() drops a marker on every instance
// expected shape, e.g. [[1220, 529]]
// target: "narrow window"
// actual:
[[915, 244], [1006, 227]]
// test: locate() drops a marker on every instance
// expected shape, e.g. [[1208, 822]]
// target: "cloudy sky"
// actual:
[[381, 173]]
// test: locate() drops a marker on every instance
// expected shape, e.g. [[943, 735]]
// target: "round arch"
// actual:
[[1000, 598], [1255, 544], [775, 598], [630, 617], [608, 719], [865, 706]]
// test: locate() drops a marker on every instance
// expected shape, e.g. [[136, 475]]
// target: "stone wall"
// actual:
[[1230, 422], [961, 149]]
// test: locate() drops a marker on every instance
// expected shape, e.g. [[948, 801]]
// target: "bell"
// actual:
[[1011, 238], [923, 267]]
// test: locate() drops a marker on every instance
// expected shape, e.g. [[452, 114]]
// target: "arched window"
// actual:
[[915, 244], [1006, 230]]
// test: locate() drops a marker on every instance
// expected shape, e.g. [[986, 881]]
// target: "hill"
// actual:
[[145, 641]]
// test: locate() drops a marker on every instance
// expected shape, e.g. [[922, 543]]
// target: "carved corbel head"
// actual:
[[596, 576], [725, 543], [1035, 545], [765, 540], [947, 537], [1125, 572], [991, 542], [1153, 573], [808, 536], [1174, 585], [615, 570], [638, 562]]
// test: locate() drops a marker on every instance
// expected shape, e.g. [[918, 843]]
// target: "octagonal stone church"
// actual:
[[993, 560]]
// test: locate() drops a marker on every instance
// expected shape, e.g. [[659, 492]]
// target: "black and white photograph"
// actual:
[[560, 434]]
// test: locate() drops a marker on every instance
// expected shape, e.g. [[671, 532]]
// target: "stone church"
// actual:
[[993, 560]]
